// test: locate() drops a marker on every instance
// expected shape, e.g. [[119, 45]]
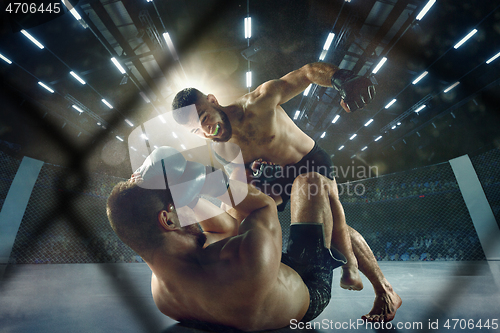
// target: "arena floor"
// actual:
[[116, 298]]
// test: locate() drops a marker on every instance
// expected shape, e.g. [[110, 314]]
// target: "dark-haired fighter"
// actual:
[[257, 123]]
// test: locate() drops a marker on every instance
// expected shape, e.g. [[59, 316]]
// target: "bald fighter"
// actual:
[[257, 123], [244, 281]]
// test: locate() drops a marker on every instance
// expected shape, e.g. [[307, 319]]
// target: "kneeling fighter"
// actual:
[[260, 127], [243, 281]]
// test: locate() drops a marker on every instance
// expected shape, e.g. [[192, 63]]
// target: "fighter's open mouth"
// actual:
[[217, 128]]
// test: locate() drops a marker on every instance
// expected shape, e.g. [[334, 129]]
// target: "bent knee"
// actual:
[[309, 178], [312, 181]]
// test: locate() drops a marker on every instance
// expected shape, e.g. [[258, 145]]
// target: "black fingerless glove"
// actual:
[[355, 90], [267, 173]]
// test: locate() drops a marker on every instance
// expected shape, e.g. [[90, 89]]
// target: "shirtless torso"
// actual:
[[237, 281], [260, 126], [266, 132]]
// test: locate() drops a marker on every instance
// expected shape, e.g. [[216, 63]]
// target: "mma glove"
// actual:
[[266, 172], [355, 90]]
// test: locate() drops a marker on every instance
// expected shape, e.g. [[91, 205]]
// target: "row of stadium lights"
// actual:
[[122, 70], [422, 13], [248, 35]]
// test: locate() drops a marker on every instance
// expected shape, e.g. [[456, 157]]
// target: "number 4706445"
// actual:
[[33, 8]]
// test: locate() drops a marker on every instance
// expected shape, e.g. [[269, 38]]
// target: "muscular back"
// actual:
[[237, 281], [225, 299]]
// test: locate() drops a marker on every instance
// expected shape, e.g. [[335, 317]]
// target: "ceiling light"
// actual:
[[341, 147], [329, 41], [380, 137], [72, 10], [353, 156], [129, 123], [353, 136], [77, 77], [323, 55], [117, 64], [31, 38], [451, 87], [420, 108], [364, 148], [133, 148], [335, 119], [162, 119], [5, 59], [119, 138], [420, 77], [174, 135], [469, 35], [323, 135], [183, 147], [249, 79], [106, 103], [393, 127], [170, 45], [425, 9], [380, 64], [390, 103], [488, 61], [43, 85], [306, 92], [144, 136], [398, 123], [77, 108], [297, 114], [369, 122], [248, 27]]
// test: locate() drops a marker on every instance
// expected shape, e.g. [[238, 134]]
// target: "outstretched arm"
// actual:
[[295, 82], [355, 91]]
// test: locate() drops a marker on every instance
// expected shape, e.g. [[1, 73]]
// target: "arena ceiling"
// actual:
[[73, 126]]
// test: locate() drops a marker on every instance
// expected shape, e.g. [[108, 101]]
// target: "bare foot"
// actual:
[[350, 278], [384, 307]]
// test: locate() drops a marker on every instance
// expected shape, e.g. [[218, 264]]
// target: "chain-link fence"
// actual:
[[50, 233], [416, 215]]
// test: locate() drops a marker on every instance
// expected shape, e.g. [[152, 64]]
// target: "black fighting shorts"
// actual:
[[280, 179], [308, 256]]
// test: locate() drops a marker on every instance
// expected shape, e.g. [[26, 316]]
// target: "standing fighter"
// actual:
[[257, 123]]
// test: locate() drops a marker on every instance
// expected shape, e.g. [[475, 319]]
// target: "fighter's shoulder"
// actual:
[[267, 93], [269, 90]]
